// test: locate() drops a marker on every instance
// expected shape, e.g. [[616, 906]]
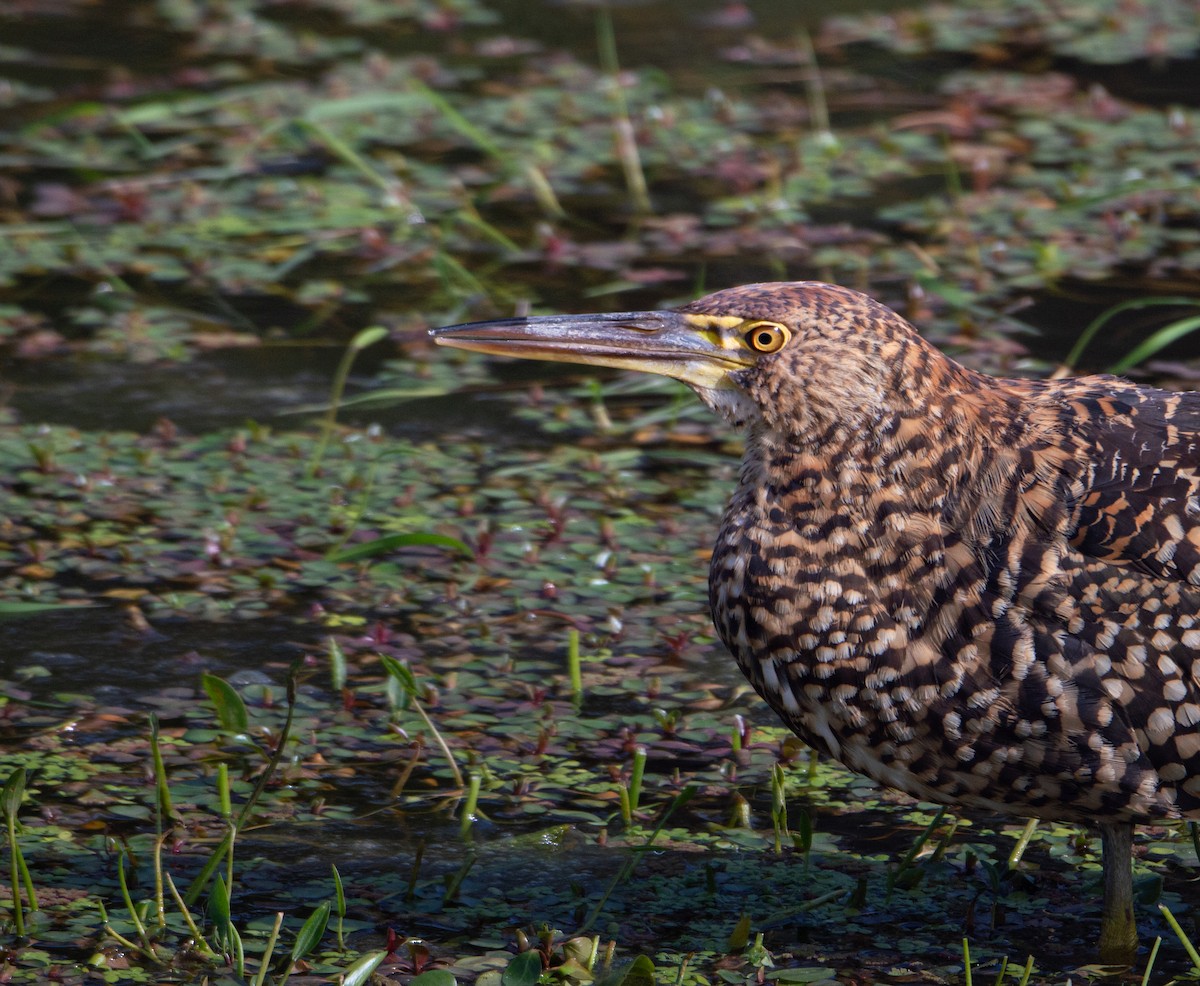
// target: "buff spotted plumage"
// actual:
[[981, 592]]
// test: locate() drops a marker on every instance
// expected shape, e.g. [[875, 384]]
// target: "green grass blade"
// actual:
[[339, 906], [231, 710], [401, 672], [13, 793], [364, 339], [269, 951], [1184, 940], [359, 973], [165, 808], [1101, 320], [574, 667], [1014, 857], [1157, 342], [337, 665], [218, 905], [312, 932], [1149, 962]]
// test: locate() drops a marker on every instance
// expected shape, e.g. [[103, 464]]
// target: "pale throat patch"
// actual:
[[732, 403]]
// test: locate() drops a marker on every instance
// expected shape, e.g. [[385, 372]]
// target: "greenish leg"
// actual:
[[1118, 930]]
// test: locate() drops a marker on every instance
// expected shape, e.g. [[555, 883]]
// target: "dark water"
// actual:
[[79, 48]]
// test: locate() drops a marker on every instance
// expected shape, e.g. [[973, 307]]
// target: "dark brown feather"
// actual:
[[978, 591]]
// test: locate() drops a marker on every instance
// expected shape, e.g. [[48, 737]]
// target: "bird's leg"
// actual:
[[1118, 930]]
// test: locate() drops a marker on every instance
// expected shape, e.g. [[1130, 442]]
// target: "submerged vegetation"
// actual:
[[418, 684]]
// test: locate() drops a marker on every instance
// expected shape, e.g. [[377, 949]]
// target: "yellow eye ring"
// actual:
[[766, 337]]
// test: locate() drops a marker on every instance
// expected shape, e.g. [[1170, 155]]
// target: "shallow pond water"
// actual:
[[202, 205]]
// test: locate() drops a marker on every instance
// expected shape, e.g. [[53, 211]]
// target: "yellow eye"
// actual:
[[766, 337]]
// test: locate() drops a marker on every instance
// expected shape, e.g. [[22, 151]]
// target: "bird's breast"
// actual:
[[812, 610], [909, 654], [829, 582]]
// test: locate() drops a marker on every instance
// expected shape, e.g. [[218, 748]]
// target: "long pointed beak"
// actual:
[[666, 343]]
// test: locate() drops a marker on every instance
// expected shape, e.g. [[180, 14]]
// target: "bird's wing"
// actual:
[[1116, 625], [1137, 476]]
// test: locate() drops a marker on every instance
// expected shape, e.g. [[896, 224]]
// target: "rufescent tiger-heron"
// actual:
[[982, 592]]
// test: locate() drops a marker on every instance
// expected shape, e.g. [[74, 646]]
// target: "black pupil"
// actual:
[[765, 338]]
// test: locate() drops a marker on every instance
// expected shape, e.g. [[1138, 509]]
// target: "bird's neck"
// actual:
[[869, 521], [913, 451]]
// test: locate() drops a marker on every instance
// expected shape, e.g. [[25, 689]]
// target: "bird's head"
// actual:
[[794, 357]]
